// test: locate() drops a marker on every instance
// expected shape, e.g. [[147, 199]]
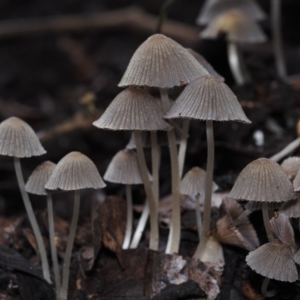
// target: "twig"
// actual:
[[132, 18]]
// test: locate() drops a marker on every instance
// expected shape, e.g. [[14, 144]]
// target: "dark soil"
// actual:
[[43, 77]]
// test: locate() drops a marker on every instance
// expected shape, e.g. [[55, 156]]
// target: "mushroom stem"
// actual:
[[287, 150], [128, 232], [182, 146], [208, 189], [237, 64], [32, 219], [174, 234], [277, 38], [52, 241], [264, 288], [198, 215], [242, 216], [265, 210], [154, 233], [155, 158], [66, 269], [140, 227]]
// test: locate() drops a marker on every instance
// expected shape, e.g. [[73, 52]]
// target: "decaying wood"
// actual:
[[131, 18]]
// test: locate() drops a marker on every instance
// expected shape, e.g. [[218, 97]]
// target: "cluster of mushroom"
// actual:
[[163, 64], [264, 182], [73, 172]]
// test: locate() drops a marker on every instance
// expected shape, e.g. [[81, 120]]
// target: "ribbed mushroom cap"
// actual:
[[133, 109], [213, 8], [18, 139], [291, 208], [273, 260], [161, 62], [291, 166], [207, 98], [234, 231], [262, 180], [124, 168], [296, 182], [75, 171], [253, 205], [205, 64], [283, 229], [238, 27], [39, 177], [193, 182]]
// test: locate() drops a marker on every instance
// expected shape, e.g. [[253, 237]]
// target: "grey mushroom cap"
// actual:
[[237, 26], [213, 8], [75, 171], [39, 177], [283, 229], [133, 109], [291, 166], [275, 261], [18, 139], [193, 182], [207, 98], [161, 62], [263, 180], [291, 208], [124, 168], [296, 182]]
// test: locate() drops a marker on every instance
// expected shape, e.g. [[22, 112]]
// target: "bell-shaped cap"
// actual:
[[213, 8], [296, 182], [39, 177], [291, 208], [133, 109], [207, 98], [75, 171], [291, 166], [273, 260], [283, 229], [161, 62], [193, 182], [272, 206], [238, 27], [262, 180], [205, 64], [18, 139], [124, 168], [232, 230]]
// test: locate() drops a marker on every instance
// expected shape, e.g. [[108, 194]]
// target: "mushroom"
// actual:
[[36, 185], [291, 166], [213, 8], [193, 184], [207, 98], [124, 169], [17, 139], [74, 172], [239, 29], [136, 110], [162, 63]]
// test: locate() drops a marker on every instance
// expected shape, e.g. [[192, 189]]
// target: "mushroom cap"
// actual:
[[205, 64], [262, 180], [253, 205], [291, 166], [39, 177], [213, 8], [291, 208], [296, 182], [207, 98], [193, 182], [133, 109], [234, 231], [75, 171], [237, 26], [124, 168], [273, 260], [18, 139], [161, 62], [283, 229]]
